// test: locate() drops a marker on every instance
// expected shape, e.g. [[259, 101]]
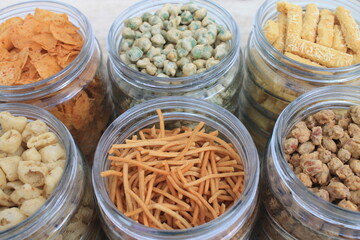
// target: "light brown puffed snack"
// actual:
[[271, 31], [328, 159], [325, 29], [279, 43], [349, 28], [26, 181], [339, 41]]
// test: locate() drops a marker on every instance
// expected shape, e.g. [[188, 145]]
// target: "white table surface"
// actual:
[[102, 13]]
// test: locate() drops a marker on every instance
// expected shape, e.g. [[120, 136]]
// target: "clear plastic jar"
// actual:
[[291, 210], [78, 94], [236, 223], [220, 84], [70, 208], [272, 80]]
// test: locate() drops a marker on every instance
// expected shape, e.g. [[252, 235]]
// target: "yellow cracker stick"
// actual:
[[326, 28], [325, 56], [339, 41], [310, 23], [279, 44], [294, 23], [302, 60], [271, 31], [349, 28]]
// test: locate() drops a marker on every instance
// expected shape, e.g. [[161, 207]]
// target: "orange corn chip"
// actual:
[[81, 110], [66, 33], [9, 73], [10, 23], [5, 41], [63, 61], [46, 40], [22, 57], [48, 16], [4, 54], [46, 66]]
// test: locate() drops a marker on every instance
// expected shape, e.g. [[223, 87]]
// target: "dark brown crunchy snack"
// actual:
[[324, 152]]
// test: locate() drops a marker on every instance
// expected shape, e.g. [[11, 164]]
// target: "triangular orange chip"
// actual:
[[10, 23], [46, 40], [65, 34], [9, 73], [4, 54], [48, 16], [46, 66]]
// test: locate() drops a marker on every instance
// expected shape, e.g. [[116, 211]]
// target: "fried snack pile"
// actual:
[[174, 179], [36, 47], [317, 38]]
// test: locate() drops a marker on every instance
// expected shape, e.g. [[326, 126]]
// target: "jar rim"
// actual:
[[147, 80], [66, 75], [345, 96], [299, 68], [248, 152], [55, 201]]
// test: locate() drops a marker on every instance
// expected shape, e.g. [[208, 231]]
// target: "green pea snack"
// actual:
[[176, 41]]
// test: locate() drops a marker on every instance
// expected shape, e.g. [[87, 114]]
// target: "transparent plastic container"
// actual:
[[235, 223], [272, 80], [291, 210], [220, 84], [78, 94], [60, 216]]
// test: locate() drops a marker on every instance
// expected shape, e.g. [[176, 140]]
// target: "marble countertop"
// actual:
[[102, 13]]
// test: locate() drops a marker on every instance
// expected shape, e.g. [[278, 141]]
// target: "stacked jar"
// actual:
[[291, 210], [236, 223], [68, 212], [220, 84], [273, 80], [78, 94]]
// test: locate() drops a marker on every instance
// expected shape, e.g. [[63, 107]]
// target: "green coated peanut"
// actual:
[[220, 51], [188, 43], [154, 20], [200, 14], [128, 33], [191, 7], [172, 55], [173, 35], [163, 14], [143, 43], [182, 27], [207, 20], [186, 33], [158, 40], [197, 51], [170, 68], [156, 29], [133, 23], [153, 51], [208, 52], [200, 63], [138, 34], [224, 34], [159, 60], [126, 44], [125, 58], [167, 49], [134, 54], [189, 69], [180, 63], [211, 62], [174, 10], [142, 63], [194, 25], [145, 27], [186, 17], [147, 35], [174, 22], [145, 17], [151, 69]]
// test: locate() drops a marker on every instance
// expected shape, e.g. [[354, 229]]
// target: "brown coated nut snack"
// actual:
[[329, 156]]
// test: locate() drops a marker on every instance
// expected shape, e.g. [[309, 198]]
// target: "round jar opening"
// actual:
[[334, 217], [51, 211], [189, 110], [134, 77], [290, 67], [65, 76]]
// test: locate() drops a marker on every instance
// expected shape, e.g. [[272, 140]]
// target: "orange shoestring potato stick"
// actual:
[[174, 179]]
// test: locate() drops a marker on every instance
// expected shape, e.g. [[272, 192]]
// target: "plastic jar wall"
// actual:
[[220, 84], [272, 80], [69, 211], [77, 95], [292, 211], [236, 223]]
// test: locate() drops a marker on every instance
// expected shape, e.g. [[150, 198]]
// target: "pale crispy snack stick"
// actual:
[[325, 28], [349, 28], [279, 44], [325, 56], [339, 41], [302, 60], [311, 19], [271, 31], [294, 20]]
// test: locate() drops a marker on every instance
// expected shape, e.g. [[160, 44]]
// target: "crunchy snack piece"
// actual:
[[325, 29], [310, 23], [294, 20], [349, 28], [302, 60], [325, 56], [271, 31], [325, 161], [26, 181], [279, 44], [339, 41]]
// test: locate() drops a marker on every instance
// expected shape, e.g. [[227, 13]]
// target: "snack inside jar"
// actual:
[[50, 58], [295, 47]]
